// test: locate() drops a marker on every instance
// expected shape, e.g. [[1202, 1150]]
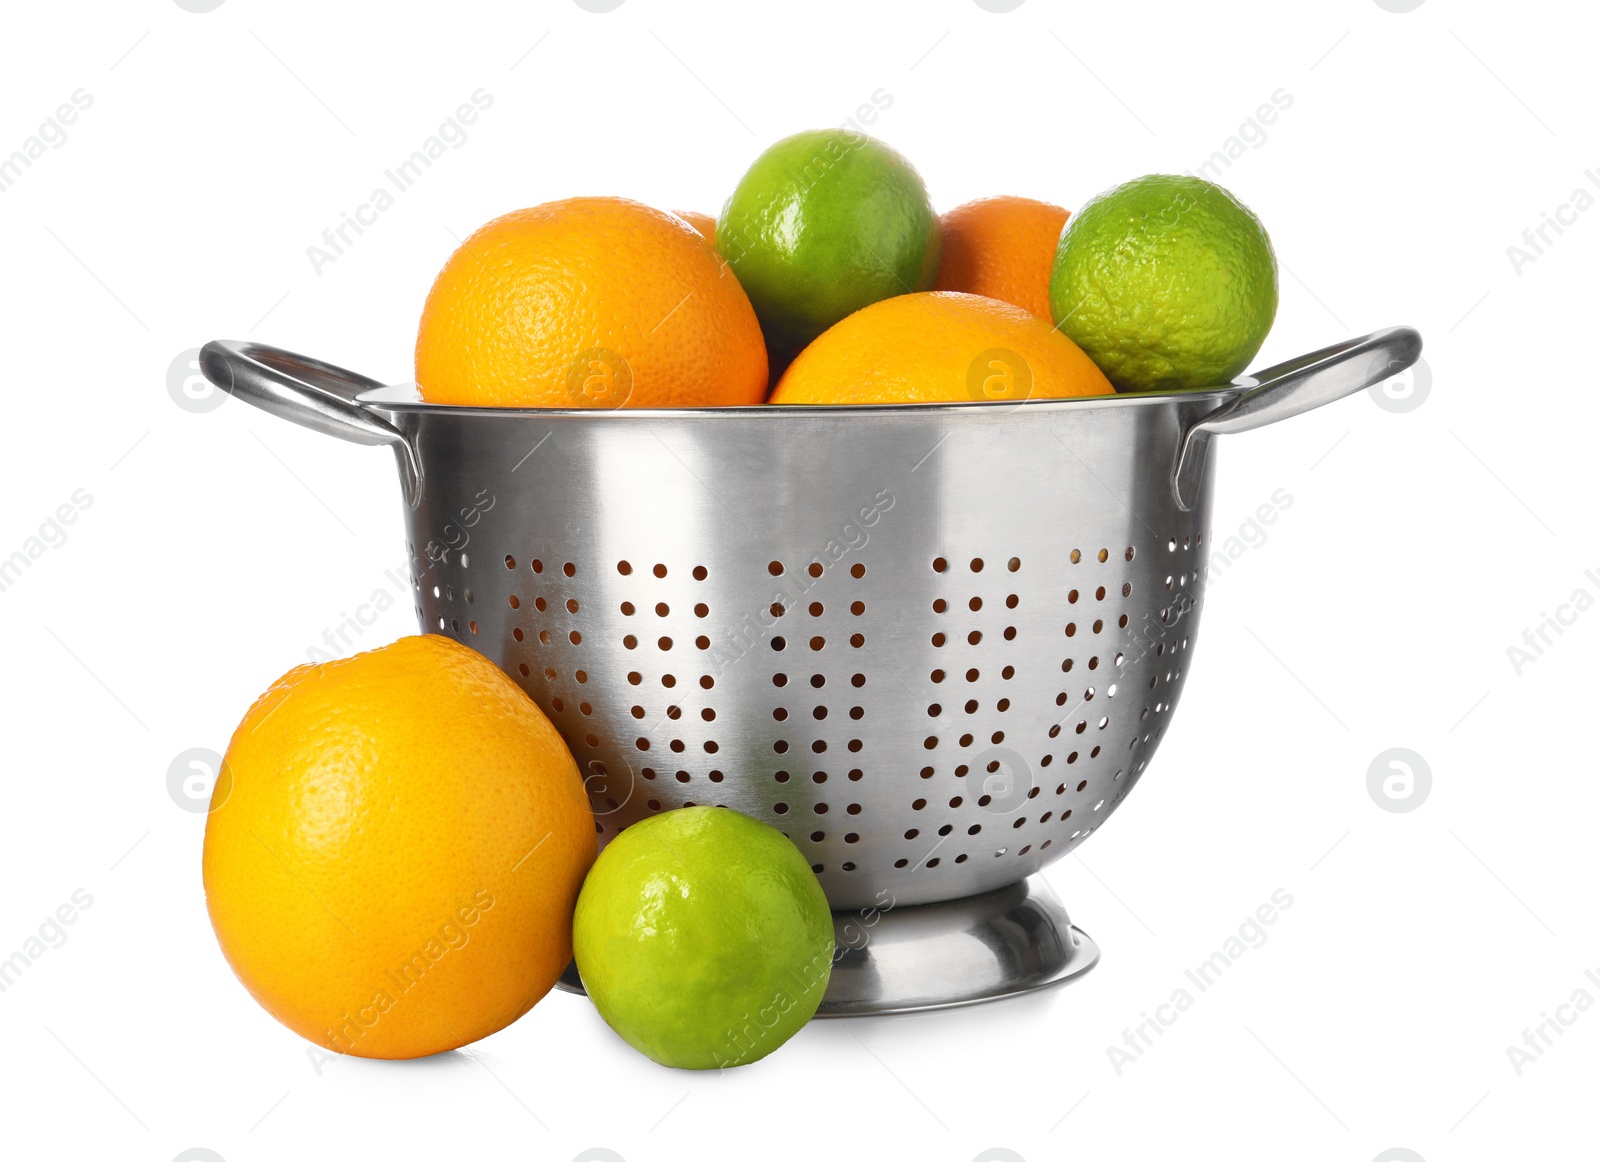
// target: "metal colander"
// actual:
[[935, 645]]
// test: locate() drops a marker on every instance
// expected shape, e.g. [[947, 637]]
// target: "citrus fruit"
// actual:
[[703, 938], [939, 347], [1167, 283], [823, 224], [705, 223], [1003, 248], [589, 302], [394, 850]]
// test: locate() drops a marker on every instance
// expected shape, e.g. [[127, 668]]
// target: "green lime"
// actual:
[[824, 223], [1166, 283], [703, 938]]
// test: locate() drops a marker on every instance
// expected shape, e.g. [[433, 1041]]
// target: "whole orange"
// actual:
[[1002, 247], [589, 302], [938, 347], [394, 850], [705, 223]]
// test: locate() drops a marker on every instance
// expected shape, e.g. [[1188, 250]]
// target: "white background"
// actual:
[[219, 545]]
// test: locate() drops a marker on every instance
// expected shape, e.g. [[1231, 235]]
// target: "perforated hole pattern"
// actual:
[[930, 732]]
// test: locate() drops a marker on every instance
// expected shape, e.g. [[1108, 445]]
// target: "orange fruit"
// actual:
[[1003, 248], [939, 347], [589, 302], [705, 223], [394, 850]]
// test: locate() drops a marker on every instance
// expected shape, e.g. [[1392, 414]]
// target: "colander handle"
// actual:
[[313, 394], [1291, 388]]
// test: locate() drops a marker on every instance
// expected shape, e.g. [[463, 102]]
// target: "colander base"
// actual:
[[1004, 943]]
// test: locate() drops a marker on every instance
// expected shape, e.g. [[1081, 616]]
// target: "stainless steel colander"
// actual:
[[936, 645]]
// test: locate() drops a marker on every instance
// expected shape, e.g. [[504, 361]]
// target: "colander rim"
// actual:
[[405, 398]]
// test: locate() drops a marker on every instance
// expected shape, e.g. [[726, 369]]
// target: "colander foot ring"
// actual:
[[1013, 940]]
